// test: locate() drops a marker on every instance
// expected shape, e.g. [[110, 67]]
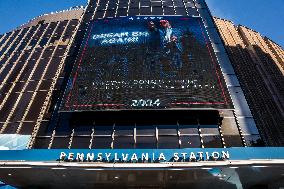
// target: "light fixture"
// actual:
[[58, 168], [259, 166], [206, 168], [234, 167]]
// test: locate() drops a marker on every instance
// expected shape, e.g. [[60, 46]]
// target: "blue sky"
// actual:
[[14, 13], [264, 16]]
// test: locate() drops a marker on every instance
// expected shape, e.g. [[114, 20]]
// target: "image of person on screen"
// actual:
[[175, 52], [165, 32], [154, 36], [151, 62], [170, 44]]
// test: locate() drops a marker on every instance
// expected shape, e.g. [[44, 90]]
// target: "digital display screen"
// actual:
[[146, 62]]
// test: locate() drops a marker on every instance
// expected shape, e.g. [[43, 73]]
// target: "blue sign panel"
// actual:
[[143, 155]]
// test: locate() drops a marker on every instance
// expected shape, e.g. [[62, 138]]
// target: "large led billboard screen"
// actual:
[[146, 62]]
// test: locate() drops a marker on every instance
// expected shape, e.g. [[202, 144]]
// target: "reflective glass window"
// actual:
[[145, 11], [101, 142], [188, 129], [169, 11], [145, 130], [212, 141], [122, 12], [123, 142], [192, 11], [168, 142], [133, 12], [36, 105], [180, 11], [42, 142], [156, 3], [60, 142], [83, 130], [99, 14], [190, 141], [103, 130], [145, 2], [110, 13], [146, 142], [168, 3], [124, 130], [157, 10], [209, 129], [81, 142], [167, 129], [178, 3], [11, 128], [253, 140], [233, 140]]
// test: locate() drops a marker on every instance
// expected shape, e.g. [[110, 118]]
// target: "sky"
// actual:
[[14, 13], [264, 16]]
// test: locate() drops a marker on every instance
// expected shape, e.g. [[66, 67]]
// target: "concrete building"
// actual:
[[140, 94]]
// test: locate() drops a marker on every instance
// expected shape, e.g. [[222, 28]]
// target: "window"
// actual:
[[103, 130], [167, 136], [100, 142], [124, 136], [102, 136], [60, 142], [157, 10], [211, 136], [169, 11], [123, 142], [168, 142], [180, 11], [189, 136], [146, 142], [190, 141], [122, 12], [110, 13], [253, 140], [145, 11], [81, 142], [212, 141], [146, 137], [42, 142], [133, 12]]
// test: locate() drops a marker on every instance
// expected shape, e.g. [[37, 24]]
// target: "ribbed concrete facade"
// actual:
[[32, 70], [258, 62]]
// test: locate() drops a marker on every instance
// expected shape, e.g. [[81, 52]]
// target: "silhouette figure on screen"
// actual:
[[170, 43]]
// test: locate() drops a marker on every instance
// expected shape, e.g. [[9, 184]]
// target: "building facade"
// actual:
[[94, 81]]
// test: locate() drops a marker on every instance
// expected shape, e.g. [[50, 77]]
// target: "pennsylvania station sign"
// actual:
[[186, 156]]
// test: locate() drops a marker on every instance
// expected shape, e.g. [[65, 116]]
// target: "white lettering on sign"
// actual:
[[176, 158], [192, 156], [80, 157], [145, 157], [90, 156], [162, 157], [124, 157], [119, 38], [134, 157]]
